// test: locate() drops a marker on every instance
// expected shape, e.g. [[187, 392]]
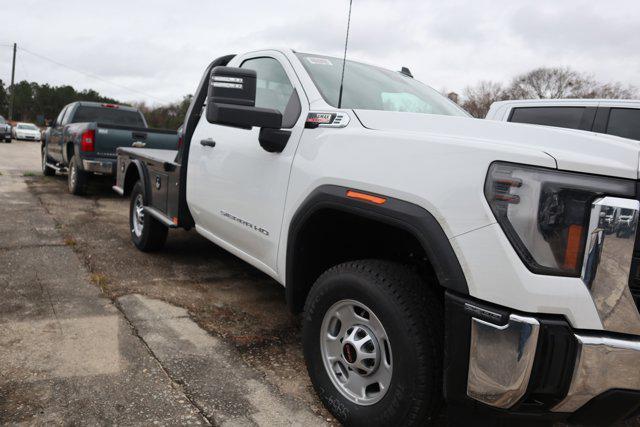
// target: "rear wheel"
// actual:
[[46, 170], [76, 179], [147, 233], [373, 343]]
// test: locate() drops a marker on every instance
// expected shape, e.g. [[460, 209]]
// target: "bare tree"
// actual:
[[478, 99], [610, 90], [564, 83], [548, 83]]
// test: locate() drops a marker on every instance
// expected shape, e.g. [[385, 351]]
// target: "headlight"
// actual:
[[545, 212]]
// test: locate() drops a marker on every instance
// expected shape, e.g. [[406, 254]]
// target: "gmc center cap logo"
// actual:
[[349, 353]]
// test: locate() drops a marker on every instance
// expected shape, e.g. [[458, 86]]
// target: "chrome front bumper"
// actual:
[[501, 359], [602, 364], [99, 166]]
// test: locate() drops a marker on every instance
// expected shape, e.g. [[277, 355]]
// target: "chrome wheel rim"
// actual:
[[138, 215], [356, 352]]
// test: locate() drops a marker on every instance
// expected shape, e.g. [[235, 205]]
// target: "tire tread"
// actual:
[[424, 316]]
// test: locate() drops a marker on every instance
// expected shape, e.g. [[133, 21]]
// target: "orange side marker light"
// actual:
[[366, 197]]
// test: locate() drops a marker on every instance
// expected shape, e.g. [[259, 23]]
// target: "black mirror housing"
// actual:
[[231, 100], [230, 85]]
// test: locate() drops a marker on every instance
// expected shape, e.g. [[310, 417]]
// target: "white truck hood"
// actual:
[[573, 150]]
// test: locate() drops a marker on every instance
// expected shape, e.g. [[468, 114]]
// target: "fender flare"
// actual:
[[395, 212], [142, 173], [65, 149]]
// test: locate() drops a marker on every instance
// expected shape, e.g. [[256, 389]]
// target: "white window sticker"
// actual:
[[318, 61]]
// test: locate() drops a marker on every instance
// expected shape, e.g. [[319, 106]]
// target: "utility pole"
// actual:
[[13, 75]]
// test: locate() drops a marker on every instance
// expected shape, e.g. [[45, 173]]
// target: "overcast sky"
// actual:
[[156, 50]]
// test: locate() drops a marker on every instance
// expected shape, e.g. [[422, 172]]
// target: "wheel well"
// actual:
[[330, 237], [69, 150], [130, 178]]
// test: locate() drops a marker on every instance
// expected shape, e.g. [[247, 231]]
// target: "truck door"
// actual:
[[236, 190], [57, 134], [54, 144]]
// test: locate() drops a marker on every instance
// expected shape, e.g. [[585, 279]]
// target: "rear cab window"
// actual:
[[564, 117], [107, 115], [624, 122]]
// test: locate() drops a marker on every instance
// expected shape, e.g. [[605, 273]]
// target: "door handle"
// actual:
[[207, 142]]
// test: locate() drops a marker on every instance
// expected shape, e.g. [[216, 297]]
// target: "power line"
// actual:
[[93, 76]]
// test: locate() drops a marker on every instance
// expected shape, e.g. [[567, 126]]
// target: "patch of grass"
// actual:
[[29, 174], [99, 280], [70, 241]]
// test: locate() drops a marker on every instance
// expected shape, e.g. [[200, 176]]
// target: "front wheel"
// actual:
[[373, 342], [147, 233]]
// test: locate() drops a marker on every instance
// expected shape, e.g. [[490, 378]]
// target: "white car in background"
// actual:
[[618, 117], [27, 131]]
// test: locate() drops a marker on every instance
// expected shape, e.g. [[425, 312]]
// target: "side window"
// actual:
[[564, 117], [274, 90], [624, 122]]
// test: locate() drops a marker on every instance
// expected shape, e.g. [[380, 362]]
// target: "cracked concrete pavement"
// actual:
[[81, 345]]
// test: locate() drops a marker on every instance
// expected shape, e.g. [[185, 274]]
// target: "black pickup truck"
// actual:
[[84, 137]]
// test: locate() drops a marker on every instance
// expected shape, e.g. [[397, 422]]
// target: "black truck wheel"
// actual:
[[373, 343], [76, 179], [147, 233], [46, 170]]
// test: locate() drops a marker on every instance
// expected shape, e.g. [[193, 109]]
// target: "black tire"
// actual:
[[46, 170], [77, 179], [153, 234], [411, 313]]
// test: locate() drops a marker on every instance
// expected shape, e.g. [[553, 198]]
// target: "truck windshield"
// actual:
[[372, 88], [112, 116]]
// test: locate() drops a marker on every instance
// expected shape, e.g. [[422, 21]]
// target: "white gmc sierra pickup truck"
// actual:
[[435, 257]]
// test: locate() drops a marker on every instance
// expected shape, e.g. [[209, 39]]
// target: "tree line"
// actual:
[[41, 103]]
